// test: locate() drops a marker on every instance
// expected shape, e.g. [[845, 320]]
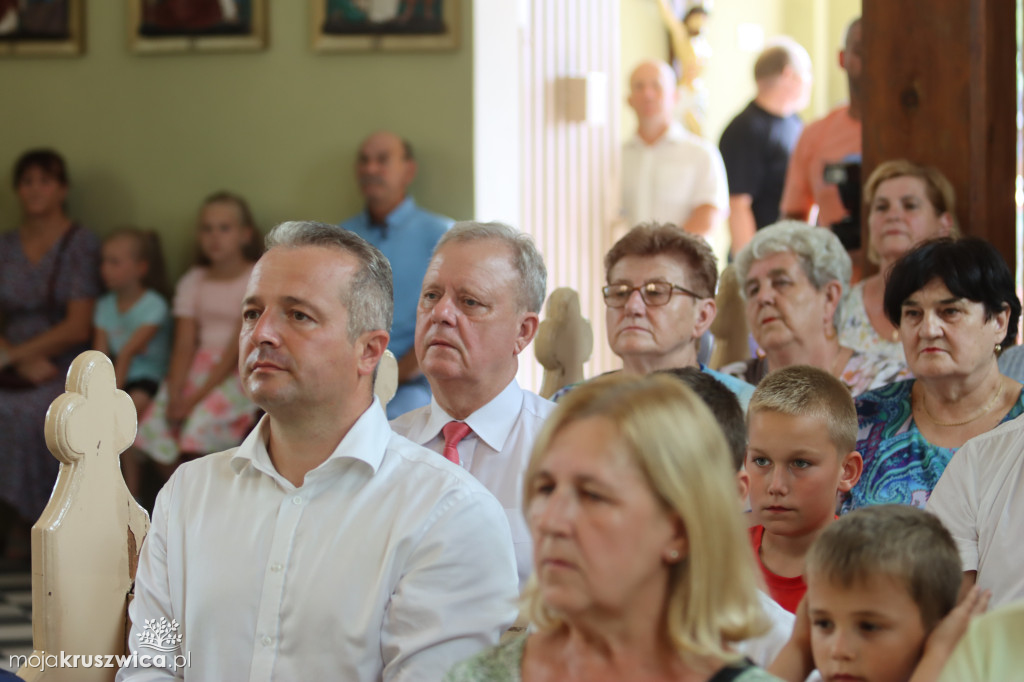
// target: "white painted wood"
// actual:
[[85, 546]]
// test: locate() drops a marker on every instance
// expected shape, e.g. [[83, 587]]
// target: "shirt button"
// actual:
[[276, 568], [267, 641], [297, 499]]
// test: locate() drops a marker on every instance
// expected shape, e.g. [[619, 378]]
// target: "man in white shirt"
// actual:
[[325, 546], [668, 174], [980, 500], [478, 311]]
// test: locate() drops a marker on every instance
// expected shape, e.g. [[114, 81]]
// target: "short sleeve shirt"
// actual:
[[215, 304], [828, 140], [150, 309], [755, 147]]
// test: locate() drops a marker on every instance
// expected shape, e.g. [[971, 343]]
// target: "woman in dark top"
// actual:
[[48, 283]]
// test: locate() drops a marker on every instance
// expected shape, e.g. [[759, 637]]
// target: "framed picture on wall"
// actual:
[[348, 25], [197, 25], [41, 27]]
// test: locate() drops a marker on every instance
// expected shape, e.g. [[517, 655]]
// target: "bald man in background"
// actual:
[[406, 234], [669, 175]]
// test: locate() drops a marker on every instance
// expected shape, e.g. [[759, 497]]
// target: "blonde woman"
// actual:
[[906, 204], [642, 568]]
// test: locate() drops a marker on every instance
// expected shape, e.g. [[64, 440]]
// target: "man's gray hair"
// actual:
[[817, 249], [373, 307], [526, 259]]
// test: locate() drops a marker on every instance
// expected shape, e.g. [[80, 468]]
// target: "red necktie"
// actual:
[[453, 433]]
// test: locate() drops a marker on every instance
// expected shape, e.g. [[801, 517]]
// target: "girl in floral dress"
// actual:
[[201, 408]]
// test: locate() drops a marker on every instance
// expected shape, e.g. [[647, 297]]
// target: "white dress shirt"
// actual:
[[496, 452], [401, 566], [667, 180]]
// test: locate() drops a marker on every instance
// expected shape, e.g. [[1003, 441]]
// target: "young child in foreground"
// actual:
[[882, 584], [802, 428]]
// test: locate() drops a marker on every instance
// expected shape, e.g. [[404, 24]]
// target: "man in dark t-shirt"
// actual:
[[757, 143]]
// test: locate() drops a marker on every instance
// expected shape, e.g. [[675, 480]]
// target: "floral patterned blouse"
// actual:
[[504, 663], [863, 371], [856, 332]]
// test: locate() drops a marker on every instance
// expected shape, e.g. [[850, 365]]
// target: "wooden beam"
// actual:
[[940, 89]]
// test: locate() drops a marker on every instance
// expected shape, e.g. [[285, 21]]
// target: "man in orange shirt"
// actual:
[[828, 140]]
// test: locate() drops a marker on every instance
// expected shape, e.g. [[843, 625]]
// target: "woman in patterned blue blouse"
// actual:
[[954, 304]]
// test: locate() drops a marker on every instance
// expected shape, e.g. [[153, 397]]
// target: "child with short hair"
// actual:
[[801, 431], [881, 604]]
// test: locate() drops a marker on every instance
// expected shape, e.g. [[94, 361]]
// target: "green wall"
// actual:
[[148, 136]]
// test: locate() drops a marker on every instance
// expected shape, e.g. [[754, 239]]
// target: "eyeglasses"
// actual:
[[653, 293]]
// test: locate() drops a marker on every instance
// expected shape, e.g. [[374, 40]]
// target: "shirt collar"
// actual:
[[366, 441], [397, 216], [673, 133], [492, 423]]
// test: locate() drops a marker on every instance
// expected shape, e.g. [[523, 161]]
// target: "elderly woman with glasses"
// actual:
[[792, 276], [641, 563], [954, 304], [660, 301]]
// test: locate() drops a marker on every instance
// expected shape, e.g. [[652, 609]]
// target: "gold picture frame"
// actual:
[[54, 28], [163, 26], [384, 25]]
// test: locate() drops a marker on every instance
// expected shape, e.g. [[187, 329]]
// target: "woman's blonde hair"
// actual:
[[677, 445], [937, 188]]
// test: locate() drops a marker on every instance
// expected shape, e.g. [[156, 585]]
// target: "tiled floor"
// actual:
[[15, 614]]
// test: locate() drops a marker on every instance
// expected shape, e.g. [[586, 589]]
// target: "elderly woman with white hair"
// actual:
[[792, 276]]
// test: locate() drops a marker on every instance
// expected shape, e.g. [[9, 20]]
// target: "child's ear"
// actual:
[[743, 484], [849, 471]]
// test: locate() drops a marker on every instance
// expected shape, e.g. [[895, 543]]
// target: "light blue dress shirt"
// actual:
[[407, 240]]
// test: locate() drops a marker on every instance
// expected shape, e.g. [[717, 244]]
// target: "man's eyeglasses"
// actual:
[[653, 293]]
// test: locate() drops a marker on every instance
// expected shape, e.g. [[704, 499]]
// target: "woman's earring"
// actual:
[[999, 348], [673, 554]]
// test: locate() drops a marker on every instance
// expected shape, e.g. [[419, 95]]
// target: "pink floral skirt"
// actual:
[[219, 422]]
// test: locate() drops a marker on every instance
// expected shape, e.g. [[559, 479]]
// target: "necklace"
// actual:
[[985, 410]]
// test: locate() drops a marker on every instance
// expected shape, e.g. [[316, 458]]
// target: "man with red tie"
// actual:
[[478, 310]]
